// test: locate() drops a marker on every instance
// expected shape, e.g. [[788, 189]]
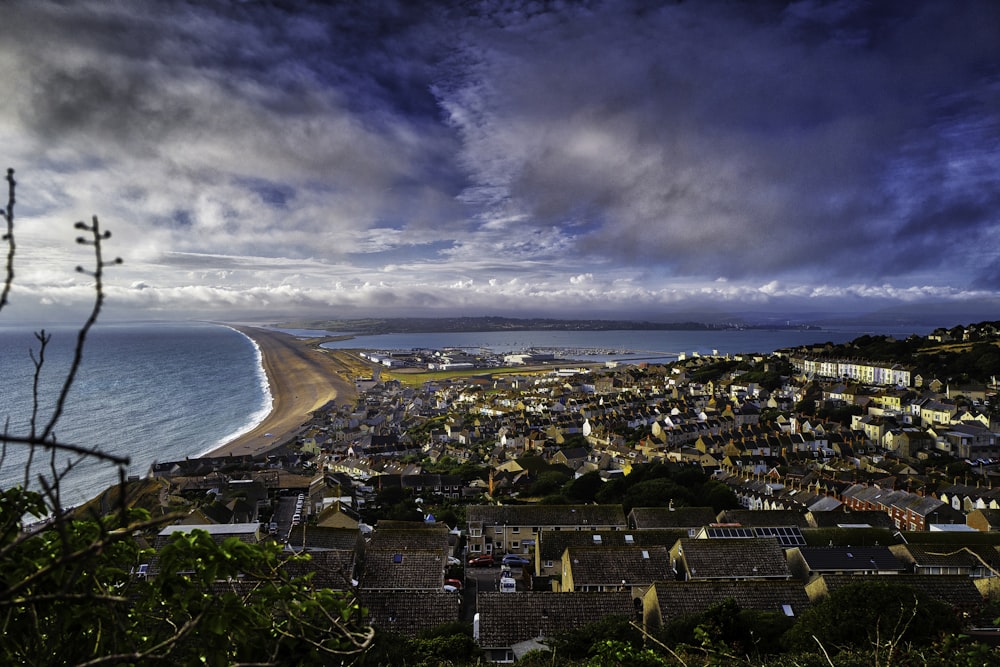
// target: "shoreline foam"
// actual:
[[301, 379]]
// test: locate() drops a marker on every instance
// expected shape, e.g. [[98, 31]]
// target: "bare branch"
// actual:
[[8, 215], [98, 274]]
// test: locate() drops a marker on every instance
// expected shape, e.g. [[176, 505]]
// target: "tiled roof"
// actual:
[[679, 598], [547, 515], [508, 618], [644, 518], [400, 539], [765, 518], [970, 556], [838, 517], [552, 543], [850, 558], [732, 559], [609, 566], [332, 568], [409, 612], [318, 537], [412, 569]]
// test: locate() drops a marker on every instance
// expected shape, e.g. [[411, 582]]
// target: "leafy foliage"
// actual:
[[74, 589], [872, 612]]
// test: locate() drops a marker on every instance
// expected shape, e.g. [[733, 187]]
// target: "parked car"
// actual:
[[515, 560], [486, 560], [454, 583], [448, 588], [453, 561]]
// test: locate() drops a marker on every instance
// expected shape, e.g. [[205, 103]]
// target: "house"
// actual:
[[509, 624], [399, 557], [747, 558], [808, 563], [496, 529], [333, 554], [974, 560], [409, 613], [985, 520], [606, 568], [661, 518], [550, 544], [666, 601]]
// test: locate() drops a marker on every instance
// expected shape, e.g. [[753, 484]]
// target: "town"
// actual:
[[528, 502]]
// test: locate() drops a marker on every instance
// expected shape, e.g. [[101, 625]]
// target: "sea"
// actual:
[[166, 391]]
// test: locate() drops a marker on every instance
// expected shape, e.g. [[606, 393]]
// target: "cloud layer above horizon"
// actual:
[[268, 160]]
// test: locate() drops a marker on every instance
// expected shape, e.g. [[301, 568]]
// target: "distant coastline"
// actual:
[[375, 326]]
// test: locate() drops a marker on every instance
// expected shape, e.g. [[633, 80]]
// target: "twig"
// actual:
[[8, 236]]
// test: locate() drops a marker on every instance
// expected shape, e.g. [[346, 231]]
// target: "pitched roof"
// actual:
[[732, 559], [400, 539], [846, 559], [321, 537], [410, 612], [604, 566], [332, 569], [412, 569], [970, 556], [644, 518], [765, 518], [508, 618], [552, 543], [679, 598], [547, 515], [849, 517]]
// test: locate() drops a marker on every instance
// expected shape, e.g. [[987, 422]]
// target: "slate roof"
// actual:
[[610, 566], [547, 515], [411, 569], [645, 518], [508, 618], [410, 612], [846, 559], [679, 598], [732, 559]]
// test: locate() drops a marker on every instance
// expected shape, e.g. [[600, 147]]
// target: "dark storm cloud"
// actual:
[[515, 154], [727, 139]]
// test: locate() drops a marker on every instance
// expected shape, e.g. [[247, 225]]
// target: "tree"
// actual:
[[872, 614], [74, 589]]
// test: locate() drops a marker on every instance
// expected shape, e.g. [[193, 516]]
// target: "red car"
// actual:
[[485, 560], [454, 583]]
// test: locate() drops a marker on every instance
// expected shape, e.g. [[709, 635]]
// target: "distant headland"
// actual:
[[368, 326]]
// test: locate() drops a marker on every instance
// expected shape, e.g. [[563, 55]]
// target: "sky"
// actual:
[[257, 161]]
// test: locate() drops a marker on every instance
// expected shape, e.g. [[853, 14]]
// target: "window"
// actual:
[[515, 545], [474, 547], [548, 563], [515, 529]]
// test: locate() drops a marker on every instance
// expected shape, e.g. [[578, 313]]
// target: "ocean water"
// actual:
[[163, 392], [625, 346], [149, 392]]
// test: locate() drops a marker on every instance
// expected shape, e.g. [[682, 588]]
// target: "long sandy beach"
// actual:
[[302, 379]]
